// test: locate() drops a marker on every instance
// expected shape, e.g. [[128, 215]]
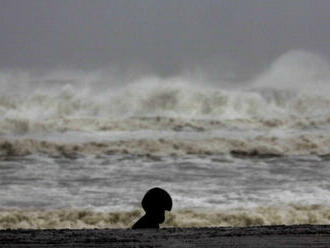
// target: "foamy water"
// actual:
[[118, 182], [208, 190], [284, 111], [77, 219], [72, 140]]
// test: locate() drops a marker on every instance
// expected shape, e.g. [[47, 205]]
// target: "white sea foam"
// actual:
[[287, 104], [87, 120], [84, 218], [164, 100]]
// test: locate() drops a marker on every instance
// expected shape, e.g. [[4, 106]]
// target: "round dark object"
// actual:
[[156, 199]]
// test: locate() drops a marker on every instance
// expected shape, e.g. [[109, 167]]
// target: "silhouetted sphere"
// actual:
[[157, 199]]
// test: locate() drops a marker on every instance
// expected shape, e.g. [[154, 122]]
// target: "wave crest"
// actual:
[[258, 146], [78, 219]]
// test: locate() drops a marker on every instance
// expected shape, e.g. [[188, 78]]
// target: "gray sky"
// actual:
[[159, 36]]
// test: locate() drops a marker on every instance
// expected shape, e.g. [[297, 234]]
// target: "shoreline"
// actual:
[[259, 236]]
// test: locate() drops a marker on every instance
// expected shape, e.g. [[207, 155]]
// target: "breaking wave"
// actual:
[[89, 111], [256, 146], [285, 110], [293, 88], [68, 111], [77, 219]]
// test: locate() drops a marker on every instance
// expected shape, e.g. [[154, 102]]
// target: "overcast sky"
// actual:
[[162, 36]]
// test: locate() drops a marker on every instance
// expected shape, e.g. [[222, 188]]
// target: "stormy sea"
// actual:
[[79, 149]]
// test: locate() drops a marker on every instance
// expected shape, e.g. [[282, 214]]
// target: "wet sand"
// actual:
[[263, 236]]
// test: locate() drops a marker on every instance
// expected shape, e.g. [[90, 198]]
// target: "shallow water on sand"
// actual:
[[118, 182]]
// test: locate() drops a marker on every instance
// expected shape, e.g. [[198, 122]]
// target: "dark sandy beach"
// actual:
[[264, 236]]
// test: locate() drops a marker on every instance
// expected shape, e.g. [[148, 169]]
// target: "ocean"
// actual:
[[80, 149]]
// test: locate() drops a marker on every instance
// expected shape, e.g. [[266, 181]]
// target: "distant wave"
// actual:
[[285, 110], [76, 219], [59, 110], [67, 111], [293, 89], [256, 146]]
